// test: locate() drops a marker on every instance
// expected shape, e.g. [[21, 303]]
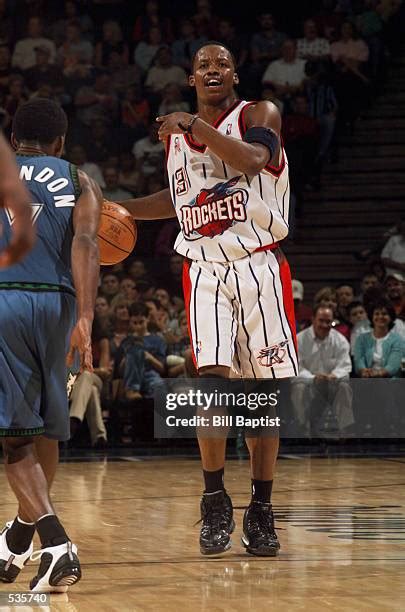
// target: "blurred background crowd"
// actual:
[[114, 65]]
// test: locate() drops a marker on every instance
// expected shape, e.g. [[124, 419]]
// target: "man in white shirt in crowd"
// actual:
[[311, 46], [322, 387], [288, 73], [24, 55]]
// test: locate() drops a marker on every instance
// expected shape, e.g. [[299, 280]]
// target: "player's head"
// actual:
[[40, 122], [213, 72]]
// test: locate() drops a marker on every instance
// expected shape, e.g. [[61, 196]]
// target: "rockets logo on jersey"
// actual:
[[214, 210]]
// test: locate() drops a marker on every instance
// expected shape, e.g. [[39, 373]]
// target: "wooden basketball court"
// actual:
[[341, 526]]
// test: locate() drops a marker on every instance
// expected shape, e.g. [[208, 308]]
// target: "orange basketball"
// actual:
[[116, 235]]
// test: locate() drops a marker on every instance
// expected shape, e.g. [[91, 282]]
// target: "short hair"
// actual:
[[379, 305], [39, 120], [319, 307], [138, 309], [211, 43], [353, 305]]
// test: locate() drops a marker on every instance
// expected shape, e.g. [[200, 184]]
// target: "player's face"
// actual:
[[214, 74]]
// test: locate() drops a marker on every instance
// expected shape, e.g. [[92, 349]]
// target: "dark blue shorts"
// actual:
[[35, 330]]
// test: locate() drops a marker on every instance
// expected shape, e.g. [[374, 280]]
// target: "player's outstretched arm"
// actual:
[[85, 268], [156, 206], [15, 196], [247, 157]]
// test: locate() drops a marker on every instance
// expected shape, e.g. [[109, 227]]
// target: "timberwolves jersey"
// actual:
[[225, 215], [54, 187]]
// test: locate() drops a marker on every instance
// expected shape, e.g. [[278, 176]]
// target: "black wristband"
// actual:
[[265, 136], [187, 129]]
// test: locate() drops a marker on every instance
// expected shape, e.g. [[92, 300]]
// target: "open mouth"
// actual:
[[213, 83]]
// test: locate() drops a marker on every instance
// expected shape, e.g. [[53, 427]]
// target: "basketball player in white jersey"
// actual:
[[229, 188]]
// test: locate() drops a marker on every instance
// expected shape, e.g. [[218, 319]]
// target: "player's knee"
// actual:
[[16, 449]]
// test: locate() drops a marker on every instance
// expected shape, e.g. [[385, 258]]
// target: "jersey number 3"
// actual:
[[181, 181]]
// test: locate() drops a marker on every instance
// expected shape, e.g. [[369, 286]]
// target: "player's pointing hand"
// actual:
[[174, 123]]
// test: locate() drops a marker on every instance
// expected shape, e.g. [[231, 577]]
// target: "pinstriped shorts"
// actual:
[[241, 315]]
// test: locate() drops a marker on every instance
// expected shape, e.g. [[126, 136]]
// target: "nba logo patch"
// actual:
[[228, 129], [198, 347], [176, 145]]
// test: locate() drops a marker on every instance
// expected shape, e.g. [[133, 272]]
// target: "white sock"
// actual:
[[23, 522]]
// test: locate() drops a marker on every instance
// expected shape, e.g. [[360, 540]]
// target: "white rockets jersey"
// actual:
[[224, 214]]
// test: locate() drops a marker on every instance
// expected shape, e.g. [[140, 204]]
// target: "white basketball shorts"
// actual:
[[241, 315]]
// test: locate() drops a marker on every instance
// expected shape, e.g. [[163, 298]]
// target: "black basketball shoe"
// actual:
[[217, 523], [259, 536], [58, 570]]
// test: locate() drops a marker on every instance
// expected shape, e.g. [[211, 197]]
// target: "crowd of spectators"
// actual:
[[114, 65]]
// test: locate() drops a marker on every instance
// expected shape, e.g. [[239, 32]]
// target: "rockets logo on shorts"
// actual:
[[272, 355], [214, 210]]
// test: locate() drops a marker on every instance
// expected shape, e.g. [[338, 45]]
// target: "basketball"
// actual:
[[116, 234]]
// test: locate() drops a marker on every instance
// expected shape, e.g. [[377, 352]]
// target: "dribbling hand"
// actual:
[[81, 341]]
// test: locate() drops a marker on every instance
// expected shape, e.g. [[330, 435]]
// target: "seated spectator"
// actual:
[[177, 350], [24, 50], [166, 238], [288, 73], [129, 178], [323, 378], [135, 111], [173, 280], [322, 105], [6, 70], [112, 191], [395, 289], [303, 313], [228, 34], [102, 313], [301, 138], [74, 47], [96, 101], [205, 19], [7, 34], [109, 286], [141, 357], [71, 13], [85, 398], [368, 280], [269, 93], [16, 96], [146, 50], [393, 254], [119, 325], [327, 297], [184, 48], [312, 47], [359, 323], [152, 18], [378, 353], [128, 290], [112, 42], [344, 296], [122, 74], [137, 270], [350, 55], [370, 25], [172, 100], [42, 71], [78, 156], [164, 72], [149, 152], [266, 45], [98, 146]]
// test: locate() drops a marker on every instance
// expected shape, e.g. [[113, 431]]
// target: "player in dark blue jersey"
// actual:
[[14, 195], [46, 312]]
